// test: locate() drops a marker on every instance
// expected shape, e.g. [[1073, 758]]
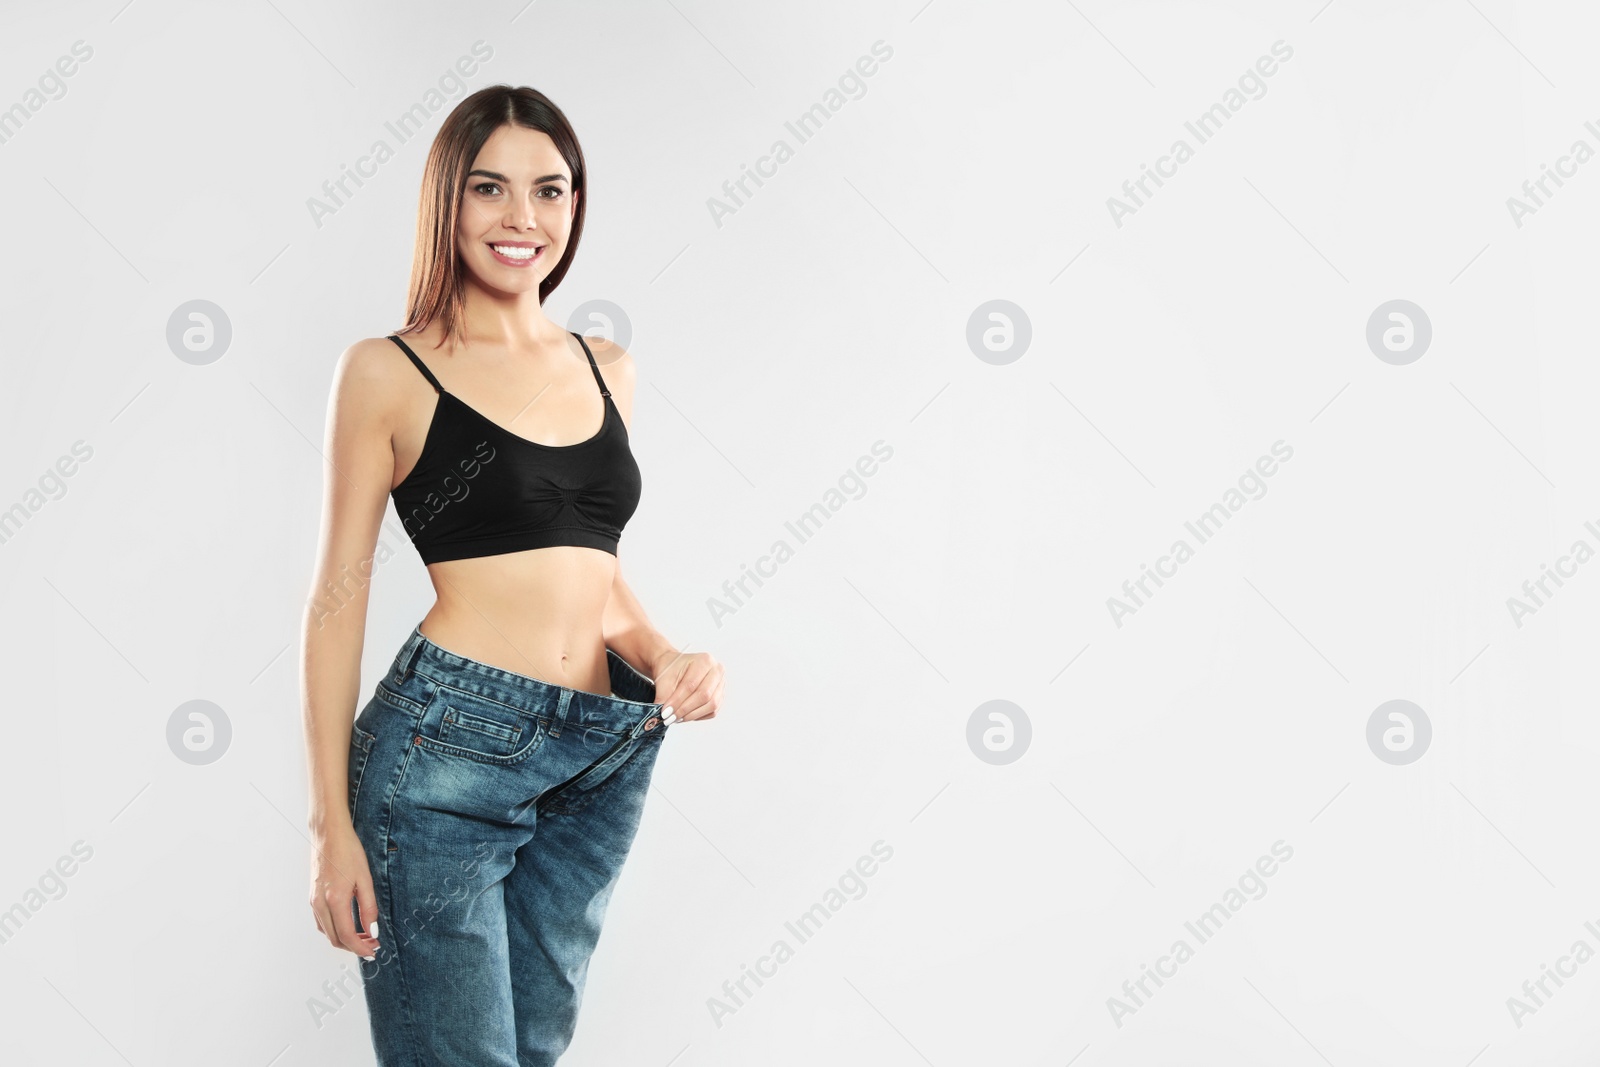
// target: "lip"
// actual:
[[508, 261]]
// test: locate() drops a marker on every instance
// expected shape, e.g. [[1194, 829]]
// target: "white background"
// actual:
[[830, 311]]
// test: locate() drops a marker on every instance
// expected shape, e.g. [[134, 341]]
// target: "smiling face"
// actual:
[[516, 210]]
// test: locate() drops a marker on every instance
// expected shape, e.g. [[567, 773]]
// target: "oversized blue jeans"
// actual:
[[496, 811]]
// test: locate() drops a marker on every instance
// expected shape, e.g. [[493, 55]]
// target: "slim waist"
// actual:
[[633, 694]]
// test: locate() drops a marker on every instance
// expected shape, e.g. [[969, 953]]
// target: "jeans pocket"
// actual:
[[478, 728]]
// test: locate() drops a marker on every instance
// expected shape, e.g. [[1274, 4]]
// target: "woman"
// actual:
[[471, 823]]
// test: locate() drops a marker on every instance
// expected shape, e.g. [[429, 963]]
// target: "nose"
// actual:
[[520, 215]]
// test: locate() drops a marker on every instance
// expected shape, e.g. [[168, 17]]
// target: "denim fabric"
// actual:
[[496, 811]]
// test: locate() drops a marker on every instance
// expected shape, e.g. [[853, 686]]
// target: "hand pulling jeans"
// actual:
[[496, 811]]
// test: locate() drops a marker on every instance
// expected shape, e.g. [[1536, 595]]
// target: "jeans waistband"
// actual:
[[633, 706]]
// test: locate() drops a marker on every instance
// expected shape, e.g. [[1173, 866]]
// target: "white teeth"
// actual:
[[515, 253]]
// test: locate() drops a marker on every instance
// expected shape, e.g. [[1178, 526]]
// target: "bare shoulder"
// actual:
[[370, 361], [614, 360], [616, 367], [369, 378]]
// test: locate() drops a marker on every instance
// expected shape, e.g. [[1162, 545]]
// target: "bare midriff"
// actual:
[[538, 613]]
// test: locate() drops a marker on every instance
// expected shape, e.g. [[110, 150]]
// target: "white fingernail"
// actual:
[[372, 931], [369, 959]]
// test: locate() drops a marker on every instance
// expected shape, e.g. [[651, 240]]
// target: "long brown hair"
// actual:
[[437, 274]]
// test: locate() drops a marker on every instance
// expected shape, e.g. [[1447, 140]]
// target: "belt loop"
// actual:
[[563, 702], [408, 656]]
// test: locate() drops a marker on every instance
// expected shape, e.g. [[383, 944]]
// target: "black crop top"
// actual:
[[480, 490]]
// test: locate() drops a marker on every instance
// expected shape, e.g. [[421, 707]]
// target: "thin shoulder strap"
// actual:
[[426, 373], [592, 364]]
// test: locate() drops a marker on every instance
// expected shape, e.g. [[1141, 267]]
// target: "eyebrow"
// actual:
[[503, 178]]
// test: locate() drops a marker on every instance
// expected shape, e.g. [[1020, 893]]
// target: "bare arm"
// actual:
[[626, 628], [356, 479]]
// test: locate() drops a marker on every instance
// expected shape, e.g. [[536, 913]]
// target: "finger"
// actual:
[[677, 679], [339, 899], [696, 706], [716, 701], [691, 701], [685, 694], [669, 698], [367, 901], [703, 703]]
